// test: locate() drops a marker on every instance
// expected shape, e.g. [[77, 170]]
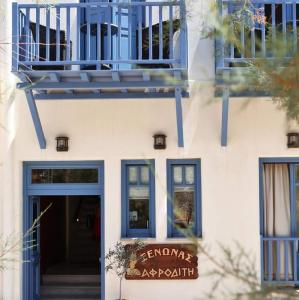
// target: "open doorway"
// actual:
[[70, 247]]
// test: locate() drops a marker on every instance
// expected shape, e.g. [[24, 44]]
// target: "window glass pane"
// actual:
[[139, 192], [145, 174], [189, 174], [64, 176], [132, 174], [138, 208], [178, 174], [183, 207]]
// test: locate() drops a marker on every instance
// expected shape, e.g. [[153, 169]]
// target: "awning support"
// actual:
[[179, 116], [224, 121], [35, 118]]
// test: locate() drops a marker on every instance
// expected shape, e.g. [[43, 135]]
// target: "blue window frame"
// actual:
[[293, 167], [184, 197], [138, 198]]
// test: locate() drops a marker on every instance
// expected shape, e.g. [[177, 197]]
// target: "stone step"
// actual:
[[69, 298], [71, 279], [70, 291]]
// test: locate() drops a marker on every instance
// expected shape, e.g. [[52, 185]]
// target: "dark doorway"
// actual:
[[70, 247]]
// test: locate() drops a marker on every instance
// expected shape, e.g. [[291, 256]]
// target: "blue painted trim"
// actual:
[[125, 230], [35, 118], [279, 160], [261, 195], [171, 232], [31, 190], [224, 120], [179, 116]]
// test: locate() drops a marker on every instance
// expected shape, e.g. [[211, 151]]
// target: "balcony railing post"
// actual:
[[15, 36], [220, 40], [183, 35], [262, 260], [295, 259]]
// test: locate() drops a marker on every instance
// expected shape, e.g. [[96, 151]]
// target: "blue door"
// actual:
[[34, 247]]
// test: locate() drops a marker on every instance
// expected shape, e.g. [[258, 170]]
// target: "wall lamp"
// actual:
[[159, 141], [293, 140], [62, 143]]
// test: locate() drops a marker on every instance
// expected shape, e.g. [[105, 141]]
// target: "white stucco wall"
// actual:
[[112, 130]]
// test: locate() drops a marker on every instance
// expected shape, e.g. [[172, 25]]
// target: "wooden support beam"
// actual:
[[35, 118], [85, 77], [177, 75], [54, 77], [115, 76], [224, 120], [146, 76], [179, 116]]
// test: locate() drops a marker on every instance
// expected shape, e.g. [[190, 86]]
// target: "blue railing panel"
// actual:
[[280, 260], [99, 35], [268, 18]]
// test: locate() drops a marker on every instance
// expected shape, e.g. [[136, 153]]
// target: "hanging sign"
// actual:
[[164, 261]]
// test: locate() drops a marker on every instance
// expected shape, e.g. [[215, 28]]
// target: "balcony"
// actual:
[[280, 260], [264, 25], [109, 45], [100, 50]]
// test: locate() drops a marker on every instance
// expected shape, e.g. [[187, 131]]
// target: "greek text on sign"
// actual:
[[164, 261]]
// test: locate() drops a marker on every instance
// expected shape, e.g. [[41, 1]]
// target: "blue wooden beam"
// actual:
[[84, 77], [96, 95], [35, 118], [15, 37], [54, 77], [224, 120], [179, 116], [47, 85]]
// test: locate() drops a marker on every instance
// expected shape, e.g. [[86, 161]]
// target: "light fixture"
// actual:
[[293, 140], [62, 143], [159, 141]]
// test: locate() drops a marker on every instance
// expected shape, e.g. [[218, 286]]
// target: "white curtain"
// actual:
[[277, 215]]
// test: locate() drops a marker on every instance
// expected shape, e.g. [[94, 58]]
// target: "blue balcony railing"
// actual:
[[280, 260], [270, 23], [99, 36]]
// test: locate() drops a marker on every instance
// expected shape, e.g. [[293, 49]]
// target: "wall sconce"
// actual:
[[62, 143], [159, 141], [293, 140]]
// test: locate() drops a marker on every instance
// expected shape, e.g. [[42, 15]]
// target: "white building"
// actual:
[[110, 103]]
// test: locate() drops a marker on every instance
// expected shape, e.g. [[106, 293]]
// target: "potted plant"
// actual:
[[120, 260]]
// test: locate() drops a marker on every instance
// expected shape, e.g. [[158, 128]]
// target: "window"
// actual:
[[279, 215], [138, 198], [183, 188], [42, 176]]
